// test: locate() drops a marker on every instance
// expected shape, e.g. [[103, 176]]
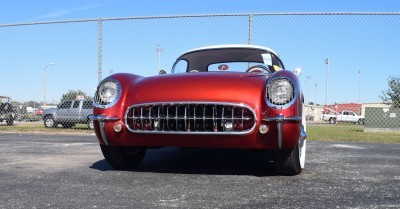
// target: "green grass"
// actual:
[[326, 132], [349, 134], [38, 128]]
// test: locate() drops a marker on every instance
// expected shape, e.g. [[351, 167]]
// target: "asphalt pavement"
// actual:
[[69, 171]]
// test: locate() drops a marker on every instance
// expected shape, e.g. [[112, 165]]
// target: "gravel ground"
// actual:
[[69, 171]]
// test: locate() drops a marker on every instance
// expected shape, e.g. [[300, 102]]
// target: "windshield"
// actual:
[[228, 60]]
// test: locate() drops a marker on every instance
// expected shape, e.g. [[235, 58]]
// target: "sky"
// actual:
[[21, 11], [362, 51]]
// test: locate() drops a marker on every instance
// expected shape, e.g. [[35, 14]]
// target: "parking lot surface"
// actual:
[[69, 171]]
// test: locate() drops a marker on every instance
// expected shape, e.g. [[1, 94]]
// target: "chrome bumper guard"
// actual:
[[102, 119], [280, 119]]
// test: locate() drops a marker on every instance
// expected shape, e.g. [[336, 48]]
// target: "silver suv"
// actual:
[[69, 113]]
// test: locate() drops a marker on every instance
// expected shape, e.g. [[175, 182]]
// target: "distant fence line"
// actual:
[[200, 15], [249, 15]]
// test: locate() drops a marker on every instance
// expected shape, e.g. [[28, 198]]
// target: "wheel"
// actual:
[[49, 122], [258, 69], [332, 120], [291, 162], [361, 121], [90, 124], [10, 120], [123, 158]]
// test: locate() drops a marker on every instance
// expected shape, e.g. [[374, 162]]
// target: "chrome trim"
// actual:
[[303, 134], [102, 121], [116, 98], [103, 118], [280, 119], [285, 105], [185, 105], [103, 132]]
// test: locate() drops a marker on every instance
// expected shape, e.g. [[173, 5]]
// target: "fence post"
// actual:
[[99, 48], [250, 28]]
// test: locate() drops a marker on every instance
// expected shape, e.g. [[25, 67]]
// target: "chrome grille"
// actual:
[[191, 118]]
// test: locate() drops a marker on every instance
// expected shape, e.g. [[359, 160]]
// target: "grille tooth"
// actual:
[[191, 118]]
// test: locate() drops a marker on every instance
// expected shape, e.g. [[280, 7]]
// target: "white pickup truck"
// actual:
[[344, 116]]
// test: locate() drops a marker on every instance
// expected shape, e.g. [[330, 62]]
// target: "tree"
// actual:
[[392, 95], [72, 94]]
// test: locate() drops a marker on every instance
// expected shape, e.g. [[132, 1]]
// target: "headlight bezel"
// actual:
[[97, 100], [280, 105]]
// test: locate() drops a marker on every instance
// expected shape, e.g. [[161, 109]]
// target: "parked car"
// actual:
[[226, 96], [7, 111], [39, 112], [69, 113], [344, 116]]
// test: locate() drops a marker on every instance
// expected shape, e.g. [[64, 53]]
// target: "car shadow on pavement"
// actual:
[[202, 161]]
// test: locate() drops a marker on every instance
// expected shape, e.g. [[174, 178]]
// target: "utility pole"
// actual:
[[308, 78], [159, 50], [359, 86], [99, 49], [326, 84], [315, 99], [250, 29], [44, 84]]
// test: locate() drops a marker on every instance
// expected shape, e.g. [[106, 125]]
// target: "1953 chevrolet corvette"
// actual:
[[225, 96]]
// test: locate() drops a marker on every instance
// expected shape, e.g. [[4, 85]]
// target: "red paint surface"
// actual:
[[243, 88]]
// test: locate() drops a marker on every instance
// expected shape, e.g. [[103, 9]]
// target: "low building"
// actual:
[[313, 112], [379, 105]]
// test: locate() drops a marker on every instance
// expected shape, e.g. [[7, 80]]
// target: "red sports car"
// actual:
[[226, 96]]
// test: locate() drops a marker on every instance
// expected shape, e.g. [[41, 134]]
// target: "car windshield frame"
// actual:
[[200, 60]]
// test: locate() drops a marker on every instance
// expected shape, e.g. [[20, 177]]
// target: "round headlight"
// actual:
[[108, 93], [280, 91]]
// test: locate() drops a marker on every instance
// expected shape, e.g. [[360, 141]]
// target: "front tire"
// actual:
[[49, 122], [90, 124], [123, 158], [361, 122], [10, 121], [291, 162], [332, 120]]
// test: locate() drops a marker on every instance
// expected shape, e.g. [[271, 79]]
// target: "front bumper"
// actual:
[[102, 119], [275, 138], [280, 119]]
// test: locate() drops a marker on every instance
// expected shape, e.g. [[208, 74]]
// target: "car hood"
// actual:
[[202, 87]]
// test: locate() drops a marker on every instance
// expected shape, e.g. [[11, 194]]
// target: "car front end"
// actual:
[[207, 109]]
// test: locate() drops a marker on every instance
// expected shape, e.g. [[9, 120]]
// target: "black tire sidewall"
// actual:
[[49, 118]]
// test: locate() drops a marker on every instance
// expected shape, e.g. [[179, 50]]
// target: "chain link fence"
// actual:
[[349, 61]]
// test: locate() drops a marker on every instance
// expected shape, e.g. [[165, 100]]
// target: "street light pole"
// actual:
[[44, 84], [359, 86], [315, 100], [308, 78], [326, 84], [159, 50]]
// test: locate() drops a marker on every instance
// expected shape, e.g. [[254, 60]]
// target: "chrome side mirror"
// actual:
[[297, 71], [162, 72]]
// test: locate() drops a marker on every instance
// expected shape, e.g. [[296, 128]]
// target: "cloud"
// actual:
[[64, 12], [57, 13]]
